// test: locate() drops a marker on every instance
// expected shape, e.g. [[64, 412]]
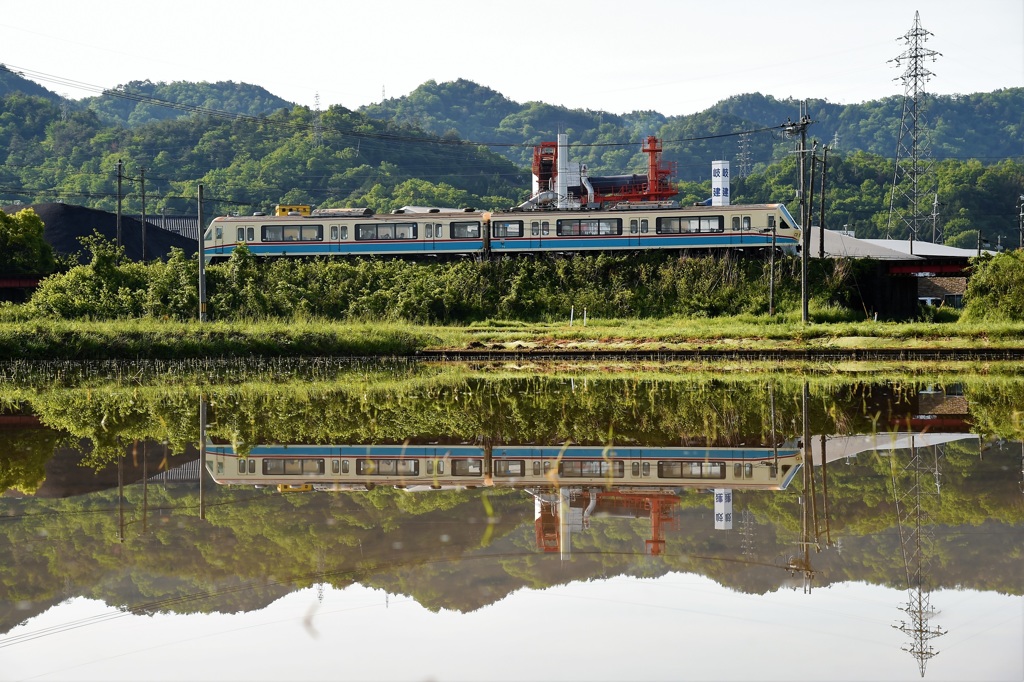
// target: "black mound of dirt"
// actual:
[[66, 224]]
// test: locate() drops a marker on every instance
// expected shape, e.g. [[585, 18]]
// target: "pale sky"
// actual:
[[679, 626], [673, 57]]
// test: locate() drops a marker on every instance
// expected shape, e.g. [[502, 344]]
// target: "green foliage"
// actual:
[[996, 289], [23, 251], [108, 287]]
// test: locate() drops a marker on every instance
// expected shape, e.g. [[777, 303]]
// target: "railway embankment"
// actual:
[[654, 340]]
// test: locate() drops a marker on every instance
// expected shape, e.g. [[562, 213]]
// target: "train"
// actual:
[[419, 467], [568, 212], [439, 232]]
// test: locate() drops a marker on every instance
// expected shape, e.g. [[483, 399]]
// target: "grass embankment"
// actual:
[[39, 339]]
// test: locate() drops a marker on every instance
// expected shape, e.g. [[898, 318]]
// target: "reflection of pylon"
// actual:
[[914, 489], [747, 532]]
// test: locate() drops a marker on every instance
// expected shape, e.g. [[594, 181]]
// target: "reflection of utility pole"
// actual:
[[913, 495], [202, 454], [803, 563]]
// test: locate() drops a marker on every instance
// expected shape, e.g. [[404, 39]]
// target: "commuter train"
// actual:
[[424, 467], [426, 232]]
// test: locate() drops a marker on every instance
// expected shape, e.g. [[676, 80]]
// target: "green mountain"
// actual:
[[251, 150], [981, 125], [140, 102]]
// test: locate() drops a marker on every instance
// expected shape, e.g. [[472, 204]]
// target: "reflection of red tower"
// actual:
[[659, 507]]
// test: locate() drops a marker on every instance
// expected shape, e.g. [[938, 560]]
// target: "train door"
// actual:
[[218, 235], [637, 228], [432, 233]]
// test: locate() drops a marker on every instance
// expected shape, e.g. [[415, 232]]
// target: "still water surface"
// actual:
[[488, 523]]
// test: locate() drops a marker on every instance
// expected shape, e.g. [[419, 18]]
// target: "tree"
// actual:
[[23, 251], [996, 289]]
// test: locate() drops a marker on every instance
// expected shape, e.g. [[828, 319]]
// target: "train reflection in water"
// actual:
[[569, 483], [436, 467]]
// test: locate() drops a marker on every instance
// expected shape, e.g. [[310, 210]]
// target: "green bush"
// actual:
[[995, 290]]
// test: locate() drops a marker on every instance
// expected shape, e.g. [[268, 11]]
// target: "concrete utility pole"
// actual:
[[202, 262], [805, 237], [821, 207], [119, 174], [142, 183]]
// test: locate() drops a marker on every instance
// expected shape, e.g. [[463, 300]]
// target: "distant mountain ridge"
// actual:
[[987, 126], [979, 125]]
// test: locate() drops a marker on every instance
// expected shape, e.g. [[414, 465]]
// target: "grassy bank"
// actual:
[[39, 339]]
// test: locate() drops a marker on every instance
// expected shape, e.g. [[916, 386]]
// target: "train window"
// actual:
[[466, 230], [467, 467], [547, 467], [387, 467], [344, 466], [647, 468], [250, 234], [335, 466], [241, 235], [220, 232], [430, 235], [252, 466], [430, 462], [771, 222], [588, 226], [746, 222], [545, 228], [507, 228], [241, 466], [737, 470], [534, 228], [344, 231], [643, 225], [504, 467], [386, 231], [735, 222], [334, 237], [536, 468], [691, 469], [634, 226], [668, 225], [636, 468], [440, 468], [438, 233], [748, 470], [581, 468], [293, 466]]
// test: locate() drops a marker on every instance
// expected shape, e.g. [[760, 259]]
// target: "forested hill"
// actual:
[[985, 126], [137, 109]]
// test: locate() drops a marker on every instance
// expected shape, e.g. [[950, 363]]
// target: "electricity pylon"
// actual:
[[913, 178]]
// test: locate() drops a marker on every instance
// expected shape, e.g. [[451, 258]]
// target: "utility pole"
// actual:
[[119, 174], [202, 262], [791, 128], [821, 216], [142, 183]]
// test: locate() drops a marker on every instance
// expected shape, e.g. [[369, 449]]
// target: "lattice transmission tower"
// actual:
[[913, 179], [916, 487]]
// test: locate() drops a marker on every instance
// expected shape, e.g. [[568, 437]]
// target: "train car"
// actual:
[[415, 467], [342, 232], [633, 227], [644, 225]]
